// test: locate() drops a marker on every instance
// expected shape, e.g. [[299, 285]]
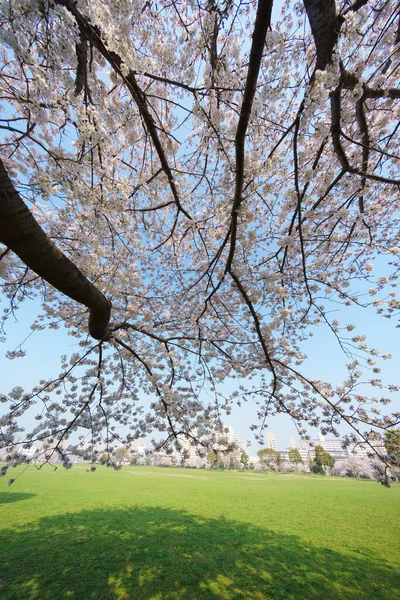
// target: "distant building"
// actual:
[[292, 442], [333, 447], [29, 453], [357, 450], [271, 441], [240, 444], [139, 449], [362, 450]]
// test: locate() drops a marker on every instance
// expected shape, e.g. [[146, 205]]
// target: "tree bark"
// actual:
[[20, 232], [324, 27]]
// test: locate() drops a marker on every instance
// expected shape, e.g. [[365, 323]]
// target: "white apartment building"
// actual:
[[231, 439], [333, 447], [271, 441]]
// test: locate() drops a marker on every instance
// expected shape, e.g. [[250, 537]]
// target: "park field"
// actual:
[[177, 534]]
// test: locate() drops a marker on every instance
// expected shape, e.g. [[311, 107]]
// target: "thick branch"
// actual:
[[349, 80], [262, 22], [337, 144], [363, 126], [325, 28], [81, 69], [20, 232]]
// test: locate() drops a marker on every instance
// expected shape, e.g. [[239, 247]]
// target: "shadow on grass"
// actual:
[[7, 498], [160, 554]]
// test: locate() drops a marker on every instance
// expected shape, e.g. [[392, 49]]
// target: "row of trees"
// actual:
[[322, 460]]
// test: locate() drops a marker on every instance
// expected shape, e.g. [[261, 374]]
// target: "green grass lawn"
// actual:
[[176, 534]]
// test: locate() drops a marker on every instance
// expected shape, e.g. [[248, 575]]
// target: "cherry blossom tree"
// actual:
[[268, 457], [206, 180]]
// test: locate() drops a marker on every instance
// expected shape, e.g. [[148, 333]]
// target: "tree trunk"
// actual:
[[20, 232], [325, 28]]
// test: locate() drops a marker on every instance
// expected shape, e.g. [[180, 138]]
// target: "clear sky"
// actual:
[[325, 361]]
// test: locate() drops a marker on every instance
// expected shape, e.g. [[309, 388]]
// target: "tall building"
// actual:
[[271, 440], [292, 442]]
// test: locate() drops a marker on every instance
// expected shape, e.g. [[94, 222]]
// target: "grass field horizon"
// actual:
[[177, 534]]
